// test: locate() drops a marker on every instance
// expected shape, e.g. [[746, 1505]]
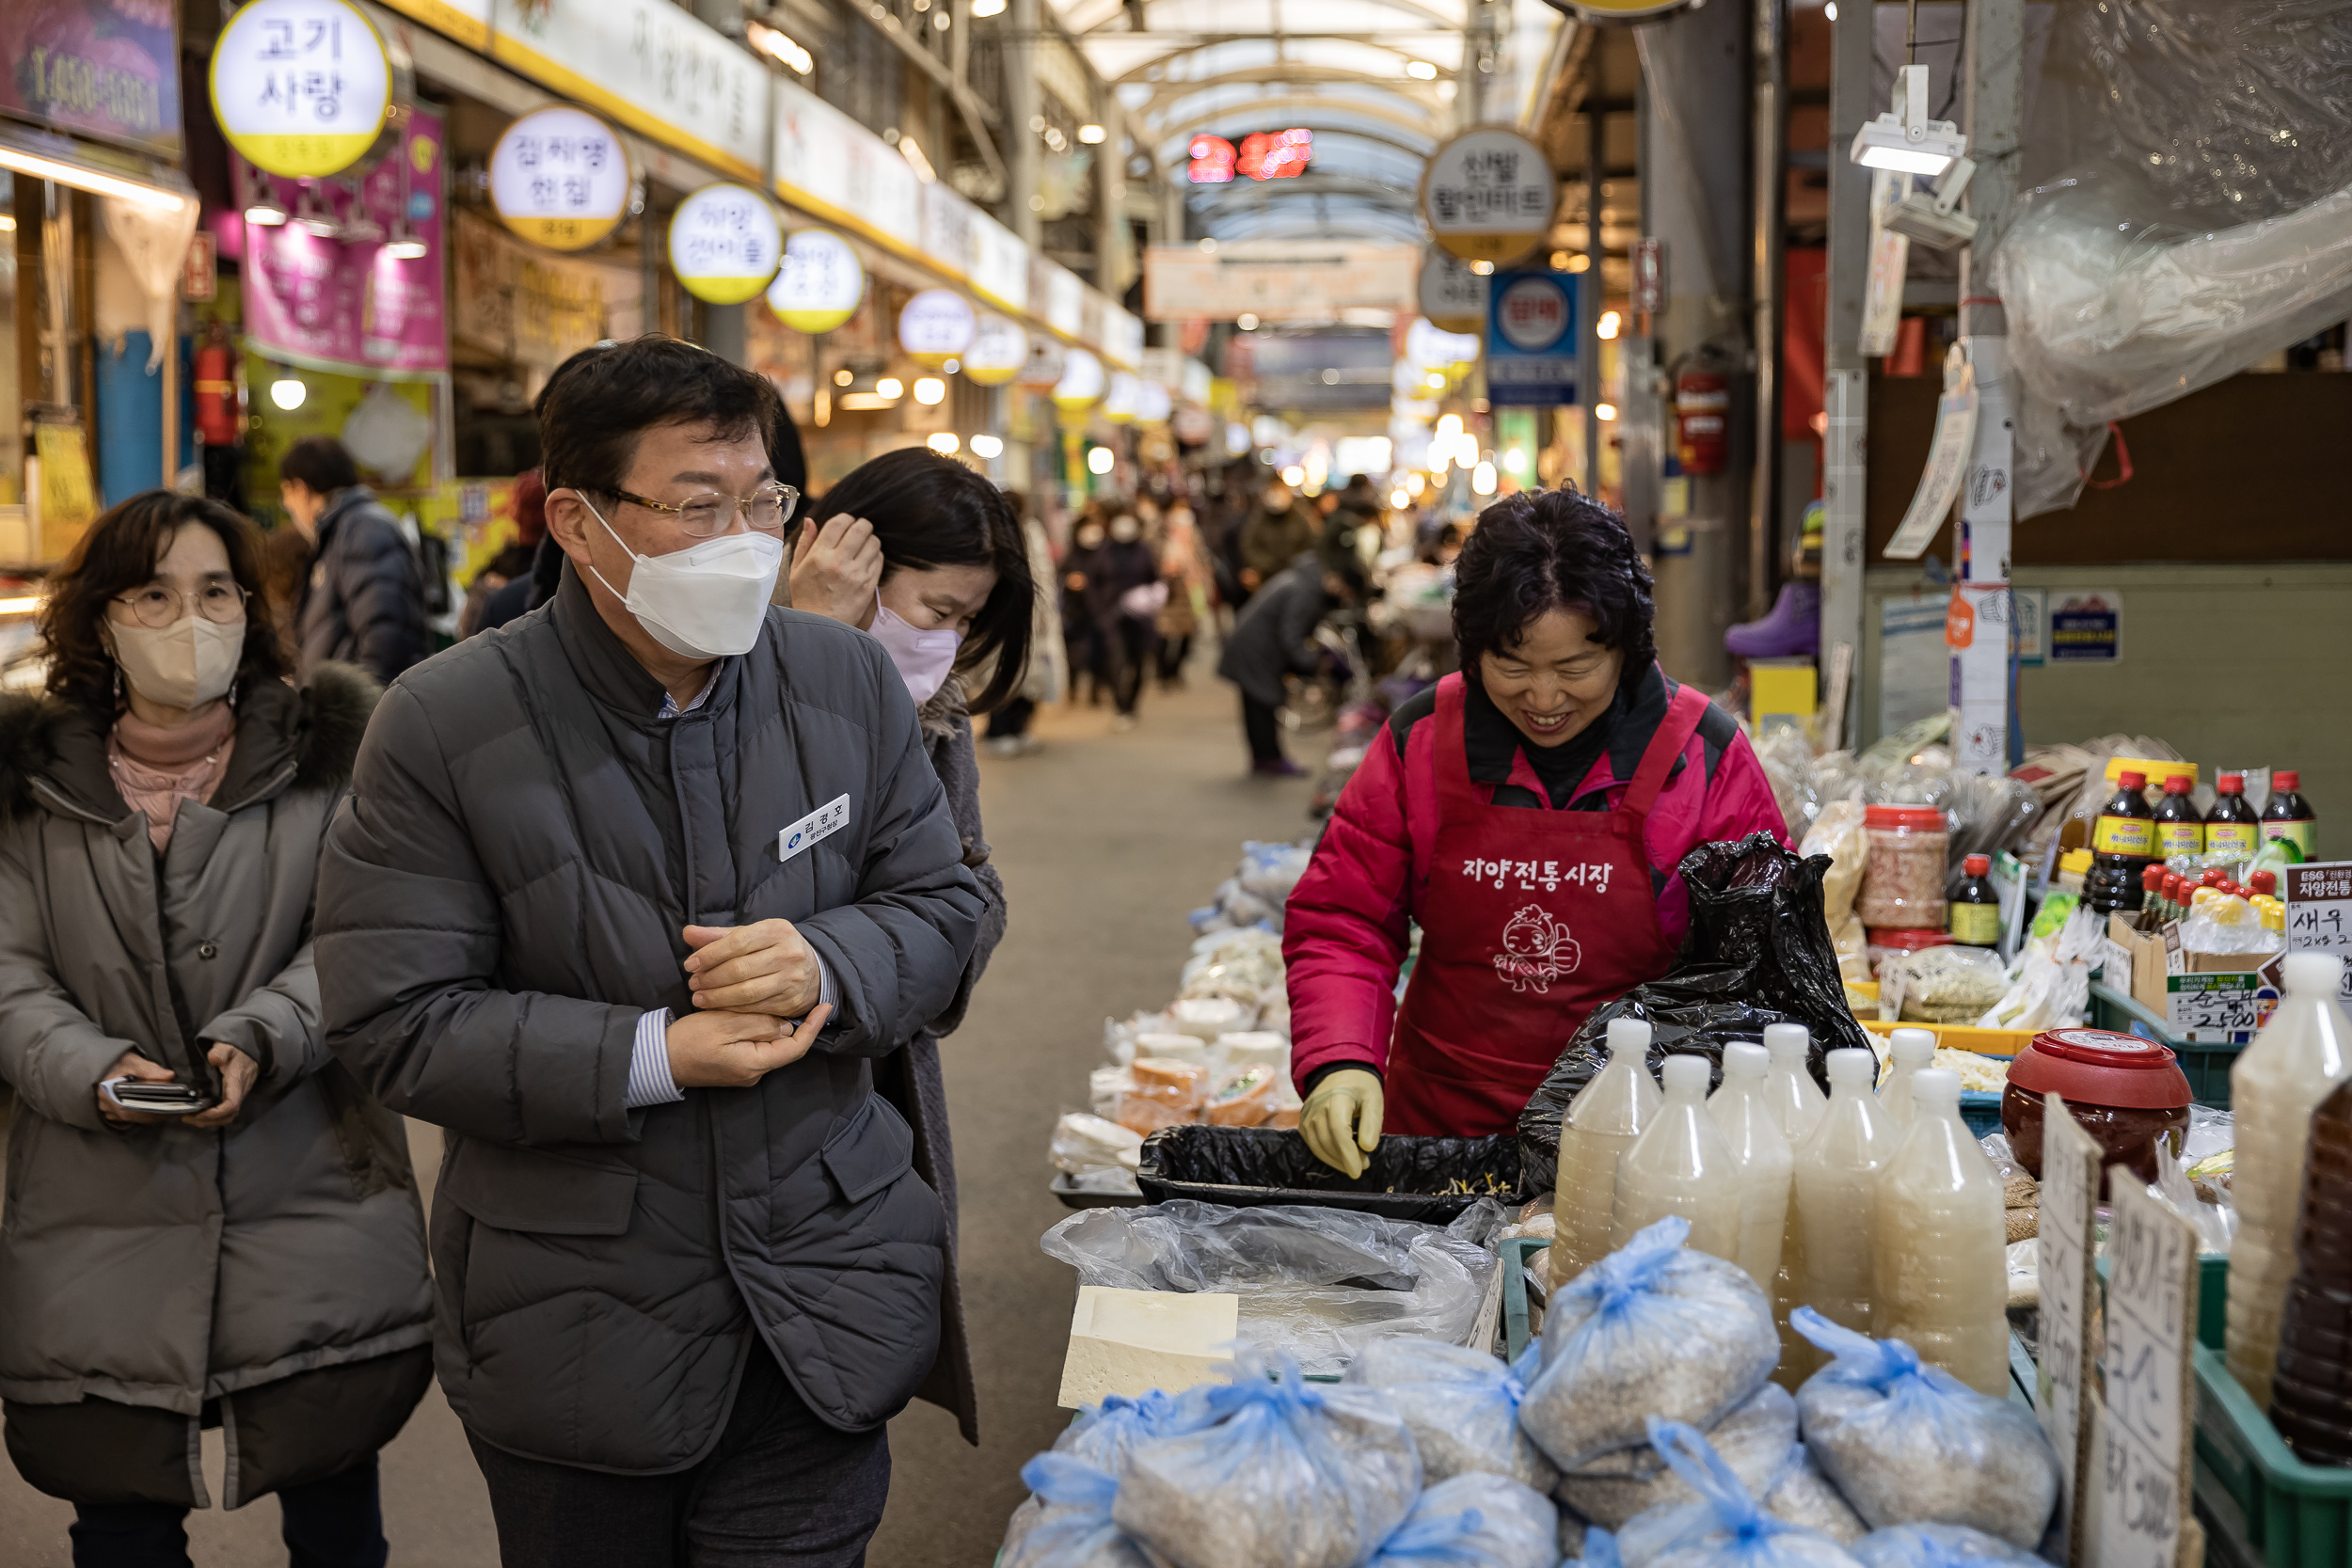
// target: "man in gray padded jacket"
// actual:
[[628, 896]]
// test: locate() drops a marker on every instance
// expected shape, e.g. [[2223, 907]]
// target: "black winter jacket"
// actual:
[[1270, 639], [502, 900], [364, 601]]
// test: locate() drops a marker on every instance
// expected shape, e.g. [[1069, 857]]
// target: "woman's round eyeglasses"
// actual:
[[156, 607]]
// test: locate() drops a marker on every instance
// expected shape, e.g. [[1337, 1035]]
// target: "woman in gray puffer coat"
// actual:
[[930, 558], [257, 1263]]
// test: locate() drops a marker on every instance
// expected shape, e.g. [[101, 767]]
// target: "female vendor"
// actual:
[[1529, 813]]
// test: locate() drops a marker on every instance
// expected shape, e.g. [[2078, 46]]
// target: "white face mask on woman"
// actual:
[[706, 601], [924, 658], [184, 665], [1127, 531]]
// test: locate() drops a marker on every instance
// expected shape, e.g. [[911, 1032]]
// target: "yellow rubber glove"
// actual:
[[1340, 1120]]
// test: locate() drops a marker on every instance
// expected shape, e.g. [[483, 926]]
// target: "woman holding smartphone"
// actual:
[[208, 1222]]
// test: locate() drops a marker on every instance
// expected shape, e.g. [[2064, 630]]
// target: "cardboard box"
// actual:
[[2158, 960]]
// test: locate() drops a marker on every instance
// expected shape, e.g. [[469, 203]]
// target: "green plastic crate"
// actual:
[[1517, 1250], [2207, 1067], [2262, 1507]]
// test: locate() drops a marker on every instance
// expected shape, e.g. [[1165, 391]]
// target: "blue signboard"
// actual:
[[1531, 339]]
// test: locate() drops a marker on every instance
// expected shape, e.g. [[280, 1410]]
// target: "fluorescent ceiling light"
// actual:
[[988, 7], [1091, 134], [86, 179], [1421, 71]]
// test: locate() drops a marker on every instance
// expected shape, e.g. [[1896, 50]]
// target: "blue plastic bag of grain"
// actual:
[[1476, 1520], [1306, 1475], [1909, 1444], [1654, 1330], [1071, 1527], [1462, 1406], [1939, 1547], [1726, 1528]]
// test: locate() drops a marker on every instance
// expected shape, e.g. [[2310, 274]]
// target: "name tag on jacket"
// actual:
[[823, 822]]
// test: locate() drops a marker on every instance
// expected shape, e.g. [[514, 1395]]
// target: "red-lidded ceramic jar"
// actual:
[[2126, 1092]]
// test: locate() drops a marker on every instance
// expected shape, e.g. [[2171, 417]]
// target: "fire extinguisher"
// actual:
[[218, 419], [1702, 413]]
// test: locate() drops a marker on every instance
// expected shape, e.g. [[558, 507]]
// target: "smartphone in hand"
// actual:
[[159, 1099]]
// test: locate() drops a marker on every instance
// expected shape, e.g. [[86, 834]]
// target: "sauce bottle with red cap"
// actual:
[[2180, 826], [1974, 915], [2288, 816], [2122, 842], [2230, 828]]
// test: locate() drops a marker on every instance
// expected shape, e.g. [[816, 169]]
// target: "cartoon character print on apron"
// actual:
[[1532, 919]]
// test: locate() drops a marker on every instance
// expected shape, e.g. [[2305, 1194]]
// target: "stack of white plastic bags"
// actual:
[[1255, 892], [1642, 1430]]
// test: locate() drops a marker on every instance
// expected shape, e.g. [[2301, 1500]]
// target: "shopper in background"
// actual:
[[1278, 533], [363, 602], [1048, 676], [1528, 812], [1184, 567], [950, 596], [1357, 508], [527, 503], [1228, 510], [1272, 639], [1124, 598], [630, 897], [259, 1264], [1081, 636]]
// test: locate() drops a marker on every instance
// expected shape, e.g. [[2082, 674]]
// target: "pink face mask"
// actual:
[[924, 658]]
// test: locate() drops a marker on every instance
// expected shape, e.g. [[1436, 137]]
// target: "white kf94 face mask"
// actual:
[[706, 601]]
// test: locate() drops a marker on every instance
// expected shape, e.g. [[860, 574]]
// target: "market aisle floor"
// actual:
[[1105, 842]]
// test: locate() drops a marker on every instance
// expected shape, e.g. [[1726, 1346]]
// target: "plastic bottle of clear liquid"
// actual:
[[2288, 1069], [1908, 1050], [1796, 1104], [1607, 1115], [1837, 1194], [1745, 1117], [1941, 1281], [1681, 1165]]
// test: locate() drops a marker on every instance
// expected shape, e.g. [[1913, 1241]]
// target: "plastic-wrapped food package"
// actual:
[[1204, 1017], [1463, 1406], [1655, 1329], [1271, 870], [1083, 1143], [1067, 1522], [1286, 1471], [1316, 1284], [1244, 1098], [1103, 1433], [1907, 1443], [1758, 954], [1757, 1440], [1804, 1495], [1475, 1519], [1838, 834], [1951, 985], [1939, 1547], [1119, 1037], [1726, 1529]]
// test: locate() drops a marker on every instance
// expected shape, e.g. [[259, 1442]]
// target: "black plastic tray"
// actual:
[[1247, 1167], [1073, 1198]]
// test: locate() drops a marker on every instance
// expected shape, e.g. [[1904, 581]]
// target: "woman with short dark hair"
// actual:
[[1529, 813], [209, 1222], [930, 559]]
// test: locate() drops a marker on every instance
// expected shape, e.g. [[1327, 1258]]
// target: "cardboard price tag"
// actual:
[[2070, 1185], [2142, 1475]]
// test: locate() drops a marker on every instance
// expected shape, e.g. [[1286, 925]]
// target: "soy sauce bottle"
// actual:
[[2180, 826], [1974, 913], [2289, 816], [2122, 842], [2231, 828]]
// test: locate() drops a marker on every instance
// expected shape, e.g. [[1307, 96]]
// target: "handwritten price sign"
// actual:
[[2142, 1474]]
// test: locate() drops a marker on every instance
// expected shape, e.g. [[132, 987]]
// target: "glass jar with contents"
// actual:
[[1902, 880]]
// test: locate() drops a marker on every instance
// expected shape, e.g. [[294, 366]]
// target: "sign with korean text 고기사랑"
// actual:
[[1531, 340], [300, 87], [108, 69], [560, 177], [2139, 1474], [2070, 1190], [358, 302], [819, 284], [724, 243], [1488, 194], [2319, 911]]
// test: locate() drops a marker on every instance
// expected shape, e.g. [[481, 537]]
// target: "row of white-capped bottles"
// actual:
[[1882, 1212]]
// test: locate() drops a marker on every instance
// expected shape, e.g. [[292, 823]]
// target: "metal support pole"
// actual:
[[1020, 107], [1768, 240], [1592, 292], [1110, 187], [1846, 393]]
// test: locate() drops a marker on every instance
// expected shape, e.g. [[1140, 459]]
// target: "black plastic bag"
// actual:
[[1758, 952], [1432, 1180]]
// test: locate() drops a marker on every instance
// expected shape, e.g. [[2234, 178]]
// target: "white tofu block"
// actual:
[[1133, 1341]]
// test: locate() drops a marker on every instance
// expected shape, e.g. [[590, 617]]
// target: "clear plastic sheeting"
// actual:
[[2191, 215], [1315, 1284]]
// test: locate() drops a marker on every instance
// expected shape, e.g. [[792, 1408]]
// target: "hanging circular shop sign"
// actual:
[[300, 86], [1082, 381], [821, 284], [560, 177], [1044, 369], [1488, 194], [1153, 403], [999, 349], [936, 326], [1453, 298], [1121, 398], [724, 243], [1534, 312]]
